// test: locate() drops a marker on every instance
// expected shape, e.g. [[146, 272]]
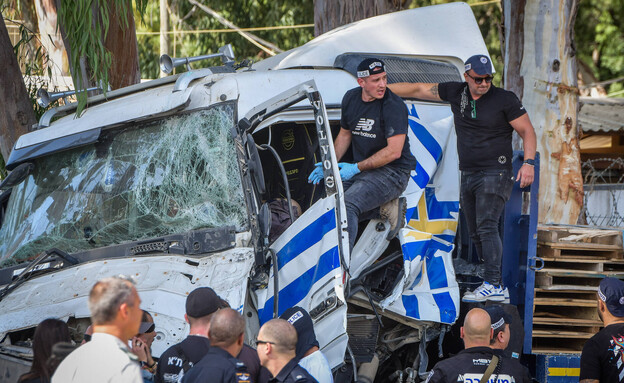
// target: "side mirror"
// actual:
[[17, 175]]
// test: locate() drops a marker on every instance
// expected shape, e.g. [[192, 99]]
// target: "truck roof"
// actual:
[[447, 32]]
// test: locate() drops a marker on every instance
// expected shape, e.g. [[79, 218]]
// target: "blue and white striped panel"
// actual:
[[429, 290], [307, 258]]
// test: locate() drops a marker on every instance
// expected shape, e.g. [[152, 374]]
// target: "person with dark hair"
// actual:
[[500, 327], [601, 359], [219, 365], [201, 304], [47, 334], [141, 346], [374, 125], [277, 344], [485, 118], [310, 356], [116, 316]]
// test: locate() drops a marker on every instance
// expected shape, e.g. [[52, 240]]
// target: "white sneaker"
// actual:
[[484, 293], [505, 291]]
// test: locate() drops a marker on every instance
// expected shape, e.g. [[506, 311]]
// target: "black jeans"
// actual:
[[369, 190], [482, 197]]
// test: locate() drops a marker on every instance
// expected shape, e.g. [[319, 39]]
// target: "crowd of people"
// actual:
[[117, 346]]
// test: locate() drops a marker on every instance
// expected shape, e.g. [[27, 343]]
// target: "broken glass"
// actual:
[[137, 182]]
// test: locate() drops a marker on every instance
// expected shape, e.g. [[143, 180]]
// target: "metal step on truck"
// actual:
[[171, 182]]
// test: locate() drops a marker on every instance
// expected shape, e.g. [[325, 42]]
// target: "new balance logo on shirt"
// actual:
[[365, 124]]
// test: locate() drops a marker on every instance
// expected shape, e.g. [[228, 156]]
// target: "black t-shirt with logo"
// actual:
[[470, 364], [171, 362], [483, 130], [603, 355], [372, 123]]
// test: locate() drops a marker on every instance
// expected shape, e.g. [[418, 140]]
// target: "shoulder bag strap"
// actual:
[[490, 369]]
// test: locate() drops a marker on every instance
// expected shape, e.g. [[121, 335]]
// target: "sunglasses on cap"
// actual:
[[479, 80]]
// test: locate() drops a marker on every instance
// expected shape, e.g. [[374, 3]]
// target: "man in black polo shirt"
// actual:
[[374, 125], [470, 364], [219, 365], [602, 359], [485, 117]]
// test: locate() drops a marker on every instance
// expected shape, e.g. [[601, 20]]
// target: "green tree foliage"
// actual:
[[243, 13], [599, 33], [86, 24]]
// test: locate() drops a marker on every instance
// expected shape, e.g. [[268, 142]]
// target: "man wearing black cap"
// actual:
[[201, 304], [485, 117], [602, 359], [310, 356], [227, 333], [500, 327], [374, 125]]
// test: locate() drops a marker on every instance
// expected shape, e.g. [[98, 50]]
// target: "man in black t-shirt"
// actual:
[[374, 124], [219, 365], [602, 359], [485, 117], [201, 304]]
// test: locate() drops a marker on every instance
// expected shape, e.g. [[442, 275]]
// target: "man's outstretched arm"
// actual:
[[421, 90]]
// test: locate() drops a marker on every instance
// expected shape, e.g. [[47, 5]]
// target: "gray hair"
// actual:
[[107, 295]]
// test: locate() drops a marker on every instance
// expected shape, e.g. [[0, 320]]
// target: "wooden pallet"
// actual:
[[570, 279], [584, 263], [579, 235], [578, 251], [575, 259]]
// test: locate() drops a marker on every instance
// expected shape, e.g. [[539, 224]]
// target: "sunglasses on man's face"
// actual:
[[479, 80]]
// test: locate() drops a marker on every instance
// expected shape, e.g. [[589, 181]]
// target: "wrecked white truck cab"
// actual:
[[170, 181]]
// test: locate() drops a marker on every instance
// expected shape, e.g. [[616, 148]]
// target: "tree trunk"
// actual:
[[28, 14], [540, 67], [123, 46], [330, 14], [17, 113], [51, 39], [122, 43]]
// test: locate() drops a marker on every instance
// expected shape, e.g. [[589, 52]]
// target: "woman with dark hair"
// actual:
[[47, 334]]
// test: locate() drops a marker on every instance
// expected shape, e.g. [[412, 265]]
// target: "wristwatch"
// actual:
[[529, 161]]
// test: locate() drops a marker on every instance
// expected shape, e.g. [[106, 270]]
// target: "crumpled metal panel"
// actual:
[[163, 283]]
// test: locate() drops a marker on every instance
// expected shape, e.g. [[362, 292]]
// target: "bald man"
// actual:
[[277, 343], [227, 333], [473, 361]]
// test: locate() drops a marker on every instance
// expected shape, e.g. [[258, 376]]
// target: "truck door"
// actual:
[[309, 258]]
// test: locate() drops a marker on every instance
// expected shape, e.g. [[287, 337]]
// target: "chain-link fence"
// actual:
[[603, 202]]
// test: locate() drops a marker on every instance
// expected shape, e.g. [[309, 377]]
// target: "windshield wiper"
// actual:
[[27, 273]]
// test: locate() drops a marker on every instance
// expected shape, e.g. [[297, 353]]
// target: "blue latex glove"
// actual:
[[317, 174], [347, 170]]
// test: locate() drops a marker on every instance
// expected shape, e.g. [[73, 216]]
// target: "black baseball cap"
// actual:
[[370, 67], [201, 302], [498, 316], [481, 64], [301, 320], [146, 327], [611, 292]]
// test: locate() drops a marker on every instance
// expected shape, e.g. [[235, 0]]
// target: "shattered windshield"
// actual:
[[136, 182]]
